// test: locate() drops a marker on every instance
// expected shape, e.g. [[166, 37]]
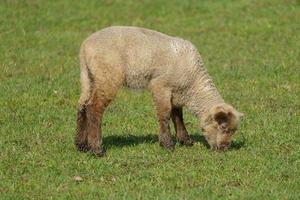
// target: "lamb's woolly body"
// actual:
[[170, 67], [135, 57]]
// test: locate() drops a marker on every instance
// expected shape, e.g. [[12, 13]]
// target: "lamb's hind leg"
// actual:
[[81, 134], [181, 132], [89, 117], [162, 100], [100, 82], [94, 113]]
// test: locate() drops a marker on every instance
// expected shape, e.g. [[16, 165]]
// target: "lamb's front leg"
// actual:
[[162, 100], [181, 132]]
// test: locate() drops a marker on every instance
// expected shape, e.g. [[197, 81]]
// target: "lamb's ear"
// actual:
[[222, 117]]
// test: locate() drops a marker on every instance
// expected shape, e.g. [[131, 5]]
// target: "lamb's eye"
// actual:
[[228, 131], [231, 131]]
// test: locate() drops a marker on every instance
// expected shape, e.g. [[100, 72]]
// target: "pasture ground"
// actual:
[[250, 48]]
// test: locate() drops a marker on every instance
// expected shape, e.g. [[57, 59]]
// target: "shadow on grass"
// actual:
[[132, 140], [128, 140], [237, 145]]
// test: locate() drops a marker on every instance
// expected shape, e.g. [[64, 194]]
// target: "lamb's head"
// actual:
[[220, 125]]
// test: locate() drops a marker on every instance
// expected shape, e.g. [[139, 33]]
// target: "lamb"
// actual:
[[170, 67]]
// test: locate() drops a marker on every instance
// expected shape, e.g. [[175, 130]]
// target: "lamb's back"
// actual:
[[144, 54]]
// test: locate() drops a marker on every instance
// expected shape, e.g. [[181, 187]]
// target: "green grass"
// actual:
[[252, 51]]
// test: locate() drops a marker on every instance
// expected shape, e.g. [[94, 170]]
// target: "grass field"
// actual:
[[250, 48]]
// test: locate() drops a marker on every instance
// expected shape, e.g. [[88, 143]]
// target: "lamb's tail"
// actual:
[[86, 83]]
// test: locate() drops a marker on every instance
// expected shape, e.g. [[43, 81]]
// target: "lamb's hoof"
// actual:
[[170, 146], [99, 152], [82, 146], [187, 142]]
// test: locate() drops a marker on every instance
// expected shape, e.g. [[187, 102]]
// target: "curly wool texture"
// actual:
[[136, 57]]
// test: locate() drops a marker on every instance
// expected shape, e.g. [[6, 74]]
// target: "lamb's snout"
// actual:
[[221, 147]]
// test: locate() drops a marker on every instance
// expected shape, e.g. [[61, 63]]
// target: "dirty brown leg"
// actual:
[[162, 100], [88, 133], [100, 82], [94, 112], [181, 132], [81, 134]]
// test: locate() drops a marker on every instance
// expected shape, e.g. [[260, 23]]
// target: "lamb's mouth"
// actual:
[[220, 147]]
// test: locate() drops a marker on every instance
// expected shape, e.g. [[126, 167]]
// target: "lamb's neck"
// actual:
[[203, 96]]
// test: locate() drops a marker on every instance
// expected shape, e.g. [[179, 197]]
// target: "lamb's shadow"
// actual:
[[128, 140], [132, 140], [237, 145]]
